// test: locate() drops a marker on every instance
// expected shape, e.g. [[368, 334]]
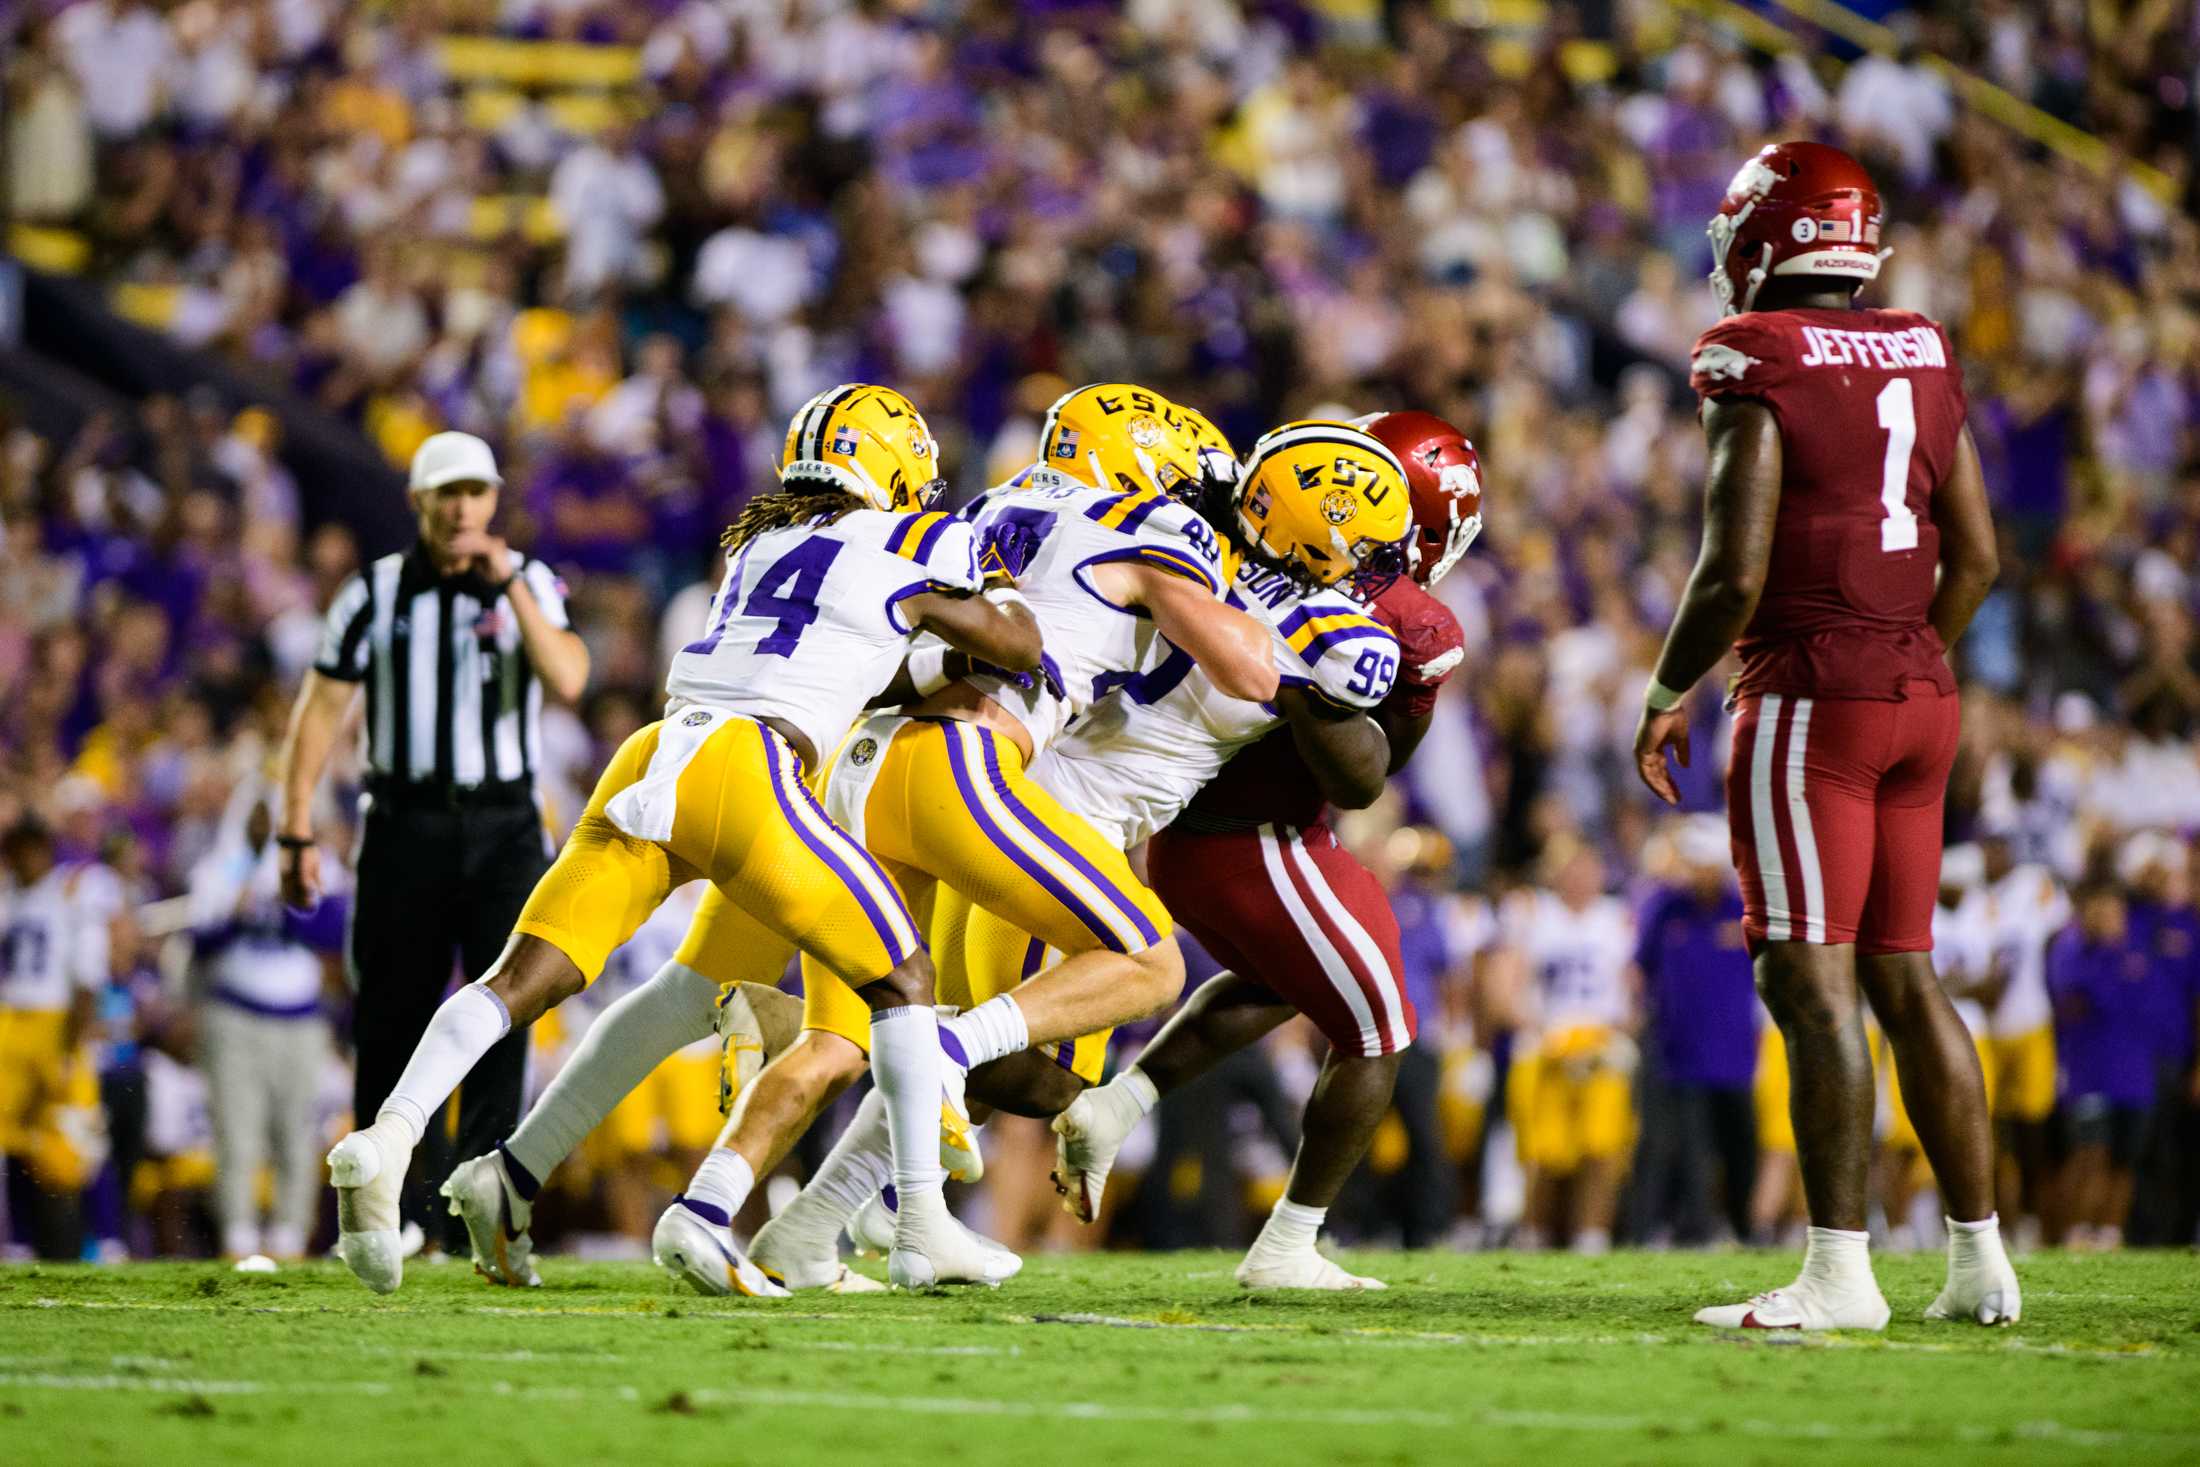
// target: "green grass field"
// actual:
[[1111, 1359]]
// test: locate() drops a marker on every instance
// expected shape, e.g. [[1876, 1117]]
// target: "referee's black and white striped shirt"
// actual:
[[451, 696]]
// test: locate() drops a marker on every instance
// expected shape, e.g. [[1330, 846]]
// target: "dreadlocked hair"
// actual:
[[794, 502]]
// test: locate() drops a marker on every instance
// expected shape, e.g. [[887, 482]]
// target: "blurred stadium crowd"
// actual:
[[624, 241]]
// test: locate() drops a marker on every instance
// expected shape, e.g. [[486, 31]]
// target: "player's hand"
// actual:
[[482, 554], [301, 878], [1653, 736]]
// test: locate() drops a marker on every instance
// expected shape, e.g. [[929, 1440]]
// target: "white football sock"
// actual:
[[1838, 1261], [905, 1065], [1291, 1228], [464, 1028], [991, 1030], [860, 1163], [724, 1180], [628, 1040]]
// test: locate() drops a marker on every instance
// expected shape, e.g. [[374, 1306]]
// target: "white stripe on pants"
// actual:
[[1772, 787], [262, 1077], [1282, 852]]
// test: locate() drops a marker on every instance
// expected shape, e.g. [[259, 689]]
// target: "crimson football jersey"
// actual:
[[1870, 408], [1270, 781]]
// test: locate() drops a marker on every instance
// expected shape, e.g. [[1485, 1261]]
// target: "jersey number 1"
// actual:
[[1898, 415]]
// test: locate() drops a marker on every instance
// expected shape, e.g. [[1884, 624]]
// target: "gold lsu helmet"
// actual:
[[868, 440], [1114, 435], [1327, 501]]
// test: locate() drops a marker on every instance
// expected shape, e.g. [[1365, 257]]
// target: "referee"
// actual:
[[455, 640]]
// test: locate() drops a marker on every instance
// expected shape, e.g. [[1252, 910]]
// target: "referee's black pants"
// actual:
[[439, 889]]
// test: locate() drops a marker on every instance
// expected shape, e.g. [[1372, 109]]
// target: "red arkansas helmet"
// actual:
[[1444, 475], [1794, 209]]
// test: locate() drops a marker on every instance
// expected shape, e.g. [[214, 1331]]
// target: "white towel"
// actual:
[[644, 809]]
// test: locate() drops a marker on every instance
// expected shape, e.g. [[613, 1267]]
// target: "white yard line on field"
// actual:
[[1217, 1414], [1986, 1343]]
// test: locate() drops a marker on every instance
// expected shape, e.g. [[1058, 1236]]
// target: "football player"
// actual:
[[827, 582], [1112, 561], [1321, 506], [53, 966], [1846, 545]]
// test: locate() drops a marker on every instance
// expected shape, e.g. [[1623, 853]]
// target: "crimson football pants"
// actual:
[[1834, 809], [1293, 911]]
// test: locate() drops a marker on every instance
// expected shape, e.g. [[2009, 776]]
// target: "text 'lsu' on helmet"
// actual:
[[869, 440], [1794, 209], [1444, 484], [1114, 435], [1328, 502]]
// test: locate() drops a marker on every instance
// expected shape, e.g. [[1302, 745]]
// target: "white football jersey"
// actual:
[[2025, 909], [1135, 759], [1963, 954], [1049, 532], [53, 941], [1577, 960], [807, 625]]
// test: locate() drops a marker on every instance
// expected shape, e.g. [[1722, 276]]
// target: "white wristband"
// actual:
[[1660, 698], [928, 670], [1007, 596]]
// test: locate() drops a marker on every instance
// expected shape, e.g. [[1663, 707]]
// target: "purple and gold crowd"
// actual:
[[623, 242]]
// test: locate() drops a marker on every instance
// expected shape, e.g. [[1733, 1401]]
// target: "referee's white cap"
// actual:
[[449, 458]]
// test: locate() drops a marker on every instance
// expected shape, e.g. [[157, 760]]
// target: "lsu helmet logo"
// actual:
[[1338, 506], [1144, 432]]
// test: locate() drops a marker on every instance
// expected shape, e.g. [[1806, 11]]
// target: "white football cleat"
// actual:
[[931, 1248], [1087, 1137], [699, 1252], [496, 1219], [959, 1152], [800, 1261], [1978, 1291], [1801, 1306], [368, 1175], [1301, 1269]]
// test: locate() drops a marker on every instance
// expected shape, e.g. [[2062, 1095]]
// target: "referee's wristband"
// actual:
[[1660, 698], [295, 842]]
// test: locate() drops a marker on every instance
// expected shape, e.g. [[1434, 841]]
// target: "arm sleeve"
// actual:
[[343, 652], [1345, 657], [1740, 357], [1175, 539], [949, 554], [549, 592]]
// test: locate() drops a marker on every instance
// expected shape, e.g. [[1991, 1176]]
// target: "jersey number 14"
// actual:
[[787, 592]]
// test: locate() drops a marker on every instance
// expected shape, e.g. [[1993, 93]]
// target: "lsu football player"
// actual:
[[828, 580], [1112, 562], [53, 966], [1319, 506]]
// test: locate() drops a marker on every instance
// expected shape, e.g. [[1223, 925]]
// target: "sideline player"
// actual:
[[1328, 502], [1252, 868], [828, 580], [1112, 561], [1841, 480]]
